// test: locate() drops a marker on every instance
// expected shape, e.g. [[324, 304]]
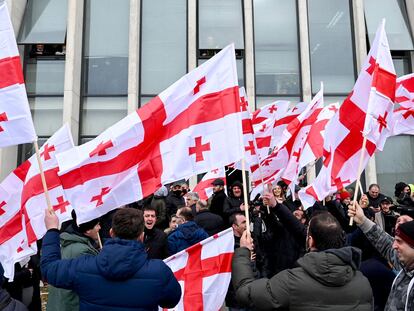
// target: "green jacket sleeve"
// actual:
[[261, 294]]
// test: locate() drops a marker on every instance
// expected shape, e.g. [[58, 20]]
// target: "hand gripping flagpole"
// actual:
[[42, 176], [361, 159]]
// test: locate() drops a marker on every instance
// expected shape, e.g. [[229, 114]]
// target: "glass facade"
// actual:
[[163, 51], [105, 64], [163, 45], [331, 46]]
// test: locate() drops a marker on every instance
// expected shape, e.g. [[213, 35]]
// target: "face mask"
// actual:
[[177, 192]]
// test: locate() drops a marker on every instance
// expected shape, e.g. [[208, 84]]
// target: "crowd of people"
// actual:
[[290, 258]]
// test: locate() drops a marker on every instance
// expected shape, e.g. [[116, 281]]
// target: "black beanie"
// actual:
[[406, 232]]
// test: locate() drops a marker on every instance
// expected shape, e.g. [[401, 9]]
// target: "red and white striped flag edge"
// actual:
[[205, 187], [192, 127], [204, 272], [16, 124]]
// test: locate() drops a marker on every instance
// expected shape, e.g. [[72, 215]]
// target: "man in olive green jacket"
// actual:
[[76, 241], [327, 277]]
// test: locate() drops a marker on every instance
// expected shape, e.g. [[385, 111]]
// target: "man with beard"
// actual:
[[218, 198]]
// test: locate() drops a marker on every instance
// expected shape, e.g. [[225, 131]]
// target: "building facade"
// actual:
[[91, 62]]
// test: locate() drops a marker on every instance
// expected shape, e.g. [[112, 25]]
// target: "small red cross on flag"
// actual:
[[3, 117], [2, 211], [272, 109], [61, 206], [198, 85], [99, 198], [46, 151], [100, 150], [250, 148], [382, 121], [198, 149]]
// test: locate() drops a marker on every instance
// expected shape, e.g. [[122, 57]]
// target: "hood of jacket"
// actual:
[[120, 259], [333, 267], [189, 232], [67, 238]]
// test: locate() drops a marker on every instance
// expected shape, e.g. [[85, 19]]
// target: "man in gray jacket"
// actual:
[[399, 252], [327, 277]]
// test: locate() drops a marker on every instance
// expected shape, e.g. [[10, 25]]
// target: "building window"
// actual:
[[163, 45], [396, 26], [105, 65], [331, 46], [220, 22], [402, 64], [43, 32], [276, 51]]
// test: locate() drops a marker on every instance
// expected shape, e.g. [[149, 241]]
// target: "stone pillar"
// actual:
[[133, 54], [73, 66], [249, 54]]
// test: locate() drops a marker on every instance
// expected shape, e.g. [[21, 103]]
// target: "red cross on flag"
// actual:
[[16, 125], [204, 272], [192, 127], [299, 134], [205, 187], [403, 117], [367, 109], [33, 200], [380, 77]]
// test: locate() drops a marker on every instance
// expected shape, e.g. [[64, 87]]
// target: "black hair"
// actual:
[[326, 231], [128, 223], [186, 213], [233, 218]]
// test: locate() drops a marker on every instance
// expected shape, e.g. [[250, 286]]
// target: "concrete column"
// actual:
[[133, 54], [249, 82], [410, 12], [360, 54], [192, 34], [305, 67], [73, 66], [8, 156], [16, 10]]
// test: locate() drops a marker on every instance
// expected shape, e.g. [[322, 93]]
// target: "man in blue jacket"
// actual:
[[121, 277]]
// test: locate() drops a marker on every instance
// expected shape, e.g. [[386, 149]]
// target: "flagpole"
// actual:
[[99, 241], [361, 159], [42, 176], [246, 202]]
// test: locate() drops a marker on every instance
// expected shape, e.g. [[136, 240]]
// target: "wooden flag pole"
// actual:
[[245, 197], [42, 176], [361, 159], [99, 241]]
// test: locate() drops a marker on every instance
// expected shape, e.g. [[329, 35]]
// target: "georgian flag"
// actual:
[[403, 117], [205, 187], [192, 127], [366, 111], [204, 272], [16, 125]]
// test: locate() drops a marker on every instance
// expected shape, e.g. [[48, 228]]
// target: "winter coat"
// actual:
[[374, 202], [9, 304], [73, 245], [184, 236], [173, 202], [401, 296], [155, 242], [231, 206], [120, 277], [327, 280], [211, 223], [217, 203]]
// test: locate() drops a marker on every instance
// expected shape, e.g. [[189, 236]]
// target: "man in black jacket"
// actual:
[[327, 277], [174, 200], [234, 202], [210, 222], [155, 240], [218, 198]]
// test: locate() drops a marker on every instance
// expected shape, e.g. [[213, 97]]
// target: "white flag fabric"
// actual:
[[16, 125], [365, 110], [192, 127], [205, 187], [204, 272], [403, 117]]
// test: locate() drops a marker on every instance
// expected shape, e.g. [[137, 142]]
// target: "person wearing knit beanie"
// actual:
[[404, 244]]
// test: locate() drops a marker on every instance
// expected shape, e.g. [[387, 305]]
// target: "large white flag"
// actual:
[[16, 125], [204, 272]]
